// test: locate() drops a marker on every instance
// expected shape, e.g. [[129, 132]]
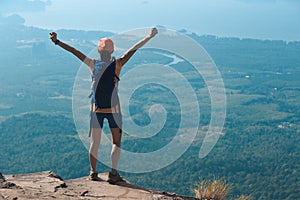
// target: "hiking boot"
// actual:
[[114, 178], [2, 178], [94, 176]]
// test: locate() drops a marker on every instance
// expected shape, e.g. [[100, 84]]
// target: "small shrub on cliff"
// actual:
[[212, 189]]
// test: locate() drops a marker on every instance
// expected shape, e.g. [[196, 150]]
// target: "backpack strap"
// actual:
[[118, 67], [115, 109]]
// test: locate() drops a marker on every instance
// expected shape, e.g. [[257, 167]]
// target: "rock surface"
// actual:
[[48, 185]]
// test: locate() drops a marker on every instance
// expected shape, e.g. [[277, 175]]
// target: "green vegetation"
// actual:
[[258, 154]]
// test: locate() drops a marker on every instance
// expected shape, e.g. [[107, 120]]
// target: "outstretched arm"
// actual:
[[138, 45], [88, 61]]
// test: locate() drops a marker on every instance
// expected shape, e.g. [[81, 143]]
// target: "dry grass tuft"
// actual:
[[212, 189]]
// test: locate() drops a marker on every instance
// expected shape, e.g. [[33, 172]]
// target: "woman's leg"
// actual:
[[116, 131], [94, 147], [115, 152]]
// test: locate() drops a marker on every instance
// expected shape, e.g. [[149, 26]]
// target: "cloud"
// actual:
[[15, 6], [258, 1], [145, 2], [268, 1]]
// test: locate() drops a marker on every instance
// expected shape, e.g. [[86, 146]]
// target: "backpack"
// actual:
[[105, 92]]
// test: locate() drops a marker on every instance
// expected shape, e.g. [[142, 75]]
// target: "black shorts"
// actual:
[[114, 120]]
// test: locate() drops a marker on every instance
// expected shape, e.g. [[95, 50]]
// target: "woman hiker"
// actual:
[[105, 73]]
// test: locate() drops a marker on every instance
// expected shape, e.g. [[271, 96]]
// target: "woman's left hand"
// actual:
[[153, 32]]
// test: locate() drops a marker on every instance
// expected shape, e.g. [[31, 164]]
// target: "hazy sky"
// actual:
[[263, 19]]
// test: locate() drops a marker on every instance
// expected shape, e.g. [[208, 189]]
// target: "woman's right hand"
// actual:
[[53, 37]]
